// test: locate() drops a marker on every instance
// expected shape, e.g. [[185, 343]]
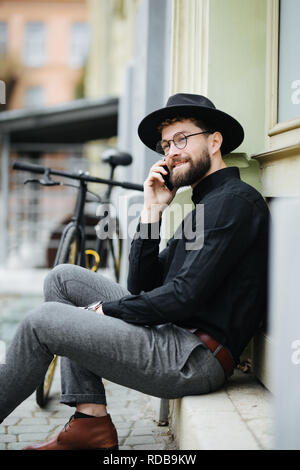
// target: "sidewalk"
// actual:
[[239, 416], [131, 412]]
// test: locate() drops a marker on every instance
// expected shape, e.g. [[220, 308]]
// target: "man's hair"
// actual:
[[198, 122]]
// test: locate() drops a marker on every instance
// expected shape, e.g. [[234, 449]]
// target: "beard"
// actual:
[[194, 172]]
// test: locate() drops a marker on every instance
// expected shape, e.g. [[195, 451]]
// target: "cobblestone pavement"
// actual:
[[131, 412]]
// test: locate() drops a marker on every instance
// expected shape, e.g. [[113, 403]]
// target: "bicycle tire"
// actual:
[[110, 250], [116, 246], [42, 391], [67, 253], [116, 253]]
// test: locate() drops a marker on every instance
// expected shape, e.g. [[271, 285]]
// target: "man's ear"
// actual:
[[216, 140]]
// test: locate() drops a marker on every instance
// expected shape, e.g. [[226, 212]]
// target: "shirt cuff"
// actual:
[[107, 308], [148, 231]]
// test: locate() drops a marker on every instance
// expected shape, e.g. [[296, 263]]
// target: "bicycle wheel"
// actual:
[[67, 253], [114, 256], [42, 392], [94, 255], [67, 250], [115, 253], [110, 250]]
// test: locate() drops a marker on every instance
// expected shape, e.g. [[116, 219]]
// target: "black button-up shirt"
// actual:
[[220, 285]]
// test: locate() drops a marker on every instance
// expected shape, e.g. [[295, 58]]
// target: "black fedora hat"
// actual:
[[197, 106]]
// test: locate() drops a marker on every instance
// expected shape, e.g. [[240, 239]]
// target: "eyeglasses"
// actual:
[[179, 139]]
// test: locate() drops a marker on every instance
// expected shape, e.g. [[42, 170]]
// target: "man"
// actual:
[[190, 309]]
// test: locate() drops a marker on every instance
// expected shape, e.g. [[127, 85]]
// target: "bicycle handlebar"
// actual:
[[31, 167]]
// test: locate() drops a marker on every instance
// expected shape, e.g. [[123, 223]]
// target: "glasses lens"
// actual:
[[179, 140]]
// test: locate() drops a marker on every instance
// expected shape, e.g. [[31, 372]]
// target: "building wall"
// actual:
[[111, 49], [58, 78], [36, 213], [217, 52], [237, 65], [112, 45]]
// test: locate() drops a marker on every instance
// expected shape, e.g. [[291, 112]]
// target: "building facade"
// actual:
[[43, 48]]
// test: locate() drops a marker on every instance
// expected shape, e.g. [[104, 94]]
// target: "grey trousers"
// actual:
[[165, 361]]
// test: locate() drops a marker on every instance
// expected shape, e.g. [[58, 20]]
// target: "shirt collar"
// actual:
[[214, 180]]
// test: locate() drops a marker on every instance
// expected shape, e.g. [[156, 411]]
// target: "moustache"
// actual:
[[178, 162]]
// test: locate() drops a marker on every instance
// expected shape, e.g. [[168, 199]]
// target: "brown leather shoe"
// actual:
[[83, 434]]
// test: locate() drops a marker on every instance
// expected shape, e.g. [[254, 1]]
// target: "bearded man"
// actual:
[[189, 310]]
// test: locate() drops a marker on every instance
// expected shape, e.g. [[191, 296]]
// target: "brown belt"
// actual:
[[219, 351]]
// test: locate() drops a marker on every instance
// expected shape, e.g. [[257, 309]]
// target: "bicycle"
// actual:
[[72, 245]]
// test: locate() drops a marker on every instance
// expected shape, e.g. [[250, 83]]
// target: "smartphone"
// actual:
[[93, 306], [167, 178]]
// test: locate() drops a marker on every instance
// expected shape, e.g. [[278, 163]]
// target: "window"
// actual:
[[34, 97], [283, 74], [34, 44], [289, 61], [79, 44], [280, 161], [3, 38]]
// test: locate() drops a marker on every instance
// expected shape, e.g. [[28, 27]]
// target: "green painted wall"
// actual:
[[237, 65]]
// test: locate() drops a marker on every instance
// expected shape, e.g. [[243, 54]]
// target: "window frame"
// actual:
[[286, 133]]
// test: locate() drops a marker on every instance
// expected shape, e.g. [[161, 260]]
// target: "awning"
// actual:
[[75, 122]]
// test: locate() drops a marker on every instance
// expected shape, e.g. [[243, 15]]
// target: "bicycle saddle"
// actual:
[[115, 157]]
